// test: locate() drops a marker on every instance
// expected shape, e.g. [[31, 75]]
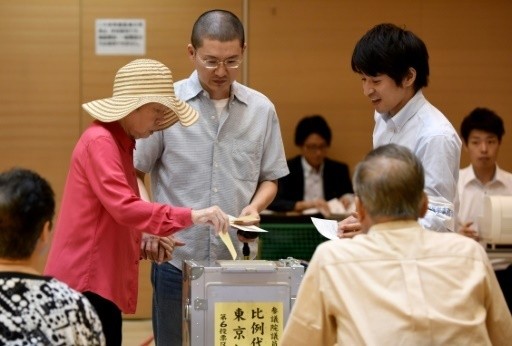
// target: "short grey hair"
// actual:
[[390, 182]]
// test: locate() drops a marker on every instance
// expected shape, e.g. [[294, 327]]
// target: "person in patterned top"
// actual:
[[36, 309]]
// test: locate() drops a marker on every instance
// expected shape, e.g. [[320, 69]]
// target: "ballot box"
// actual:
[[244, 302]]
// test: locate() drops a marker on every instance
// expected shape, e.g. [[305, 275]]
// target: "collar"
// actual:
[[122, 138], [394, 225], [398, 121], [470, 177], [194, 89], [308, 169]]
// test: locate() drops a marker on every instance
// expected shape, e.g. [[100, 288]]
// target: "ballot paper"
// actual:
[[244, 219], [327, 228], [233, 222], [226, 239]]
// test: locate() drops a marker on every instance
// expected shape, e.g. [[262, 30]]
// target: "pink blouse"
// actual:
[[96, 245]]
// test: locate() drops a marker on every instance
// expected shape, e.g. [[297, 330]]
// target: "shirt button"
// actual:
[[137, 262], [214, 189]]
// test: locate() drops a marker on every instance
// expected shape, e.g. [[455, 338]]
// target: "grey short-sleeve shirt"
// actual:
[[220, 160]]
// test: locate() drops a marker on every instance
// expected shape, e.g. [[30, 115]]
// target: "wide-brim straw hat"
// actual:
[[137, 83]]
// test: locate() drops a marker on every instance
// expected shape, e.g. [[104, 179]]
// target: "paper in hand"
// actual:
[[233, 222], [226, 239], [327, 228], [244, 219]]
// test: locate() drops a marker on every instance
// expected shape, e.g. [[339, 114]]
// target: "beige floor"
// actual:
[[137, 333]]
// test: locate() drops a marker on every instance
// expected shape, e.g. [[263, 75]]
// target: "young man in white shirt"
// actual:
[[394, 69], [481, 131]]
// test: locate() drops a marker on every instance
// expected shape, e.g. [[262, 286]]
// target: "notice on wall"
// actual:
[[248, 323], [120, 36]]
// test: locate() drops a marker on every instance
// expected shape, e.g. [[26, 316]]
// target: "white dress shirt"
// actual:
[[472, 193], [313, 181], [423, 129]]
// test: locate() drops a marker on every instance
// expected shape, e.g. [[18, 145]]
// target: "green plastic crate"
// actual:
[[297, 240]]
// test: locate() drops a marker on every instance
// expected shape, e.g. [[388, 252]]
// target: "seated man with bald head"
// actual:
[[397, 283]]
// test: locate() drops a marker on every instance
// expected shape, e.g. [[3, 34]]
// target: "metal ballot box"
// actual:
[[244, 302]]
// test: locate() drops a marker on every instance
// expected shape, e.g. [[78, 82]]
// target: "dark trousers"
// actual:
[[167, 305], [505, 280], [110, 316]]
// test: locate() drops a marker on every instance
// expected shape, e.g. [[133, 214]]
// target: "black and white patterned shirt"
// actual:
[[39, 310]]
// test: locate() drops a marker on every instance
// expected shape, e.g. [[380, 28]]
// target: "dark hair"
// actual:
[[312, 124], [390, 182], [388, 49], [218, 25], [27, 202], [482, 119]]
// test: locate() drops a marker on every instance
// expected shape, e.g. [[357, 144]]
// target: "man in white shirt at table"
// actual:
[[482, 131]]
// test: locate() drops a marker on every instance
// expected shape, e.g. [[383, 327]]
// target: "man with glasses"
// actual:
[[232, 157], [314, 179]]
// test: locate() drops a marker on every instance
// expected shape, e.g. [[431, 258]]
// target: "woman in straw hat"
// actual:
[[96, 247]]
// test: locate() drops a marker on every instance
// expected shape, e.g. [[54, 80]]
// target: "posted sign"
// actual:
[[120, 36], [248, 323]]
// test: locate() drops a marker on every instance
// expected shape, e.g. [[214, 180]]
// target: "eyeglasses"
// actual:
[[215, 63], [315, 147]]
